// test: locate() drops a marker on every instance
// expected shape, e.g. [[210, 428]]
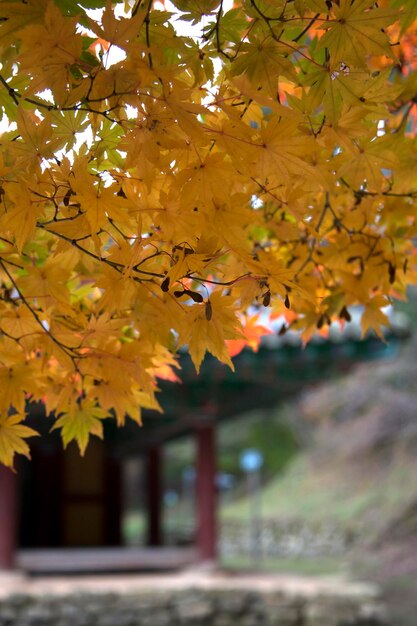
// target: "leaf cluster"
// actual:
[[163, 174]]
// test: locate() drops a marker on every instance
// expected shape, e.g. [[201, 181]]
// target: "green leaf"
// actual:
[[81, 422]]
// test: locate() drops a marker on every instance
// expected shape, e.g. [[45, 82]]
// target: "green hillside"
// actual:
[[356, 470]]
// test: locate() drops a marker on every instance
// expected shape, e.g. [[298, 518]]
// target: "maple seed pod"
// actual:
[[345, 315], [68, 196], [209, 311], [194, 295], [266, 299], [282, 330], [391, 272], [165, 284], [287, 302]]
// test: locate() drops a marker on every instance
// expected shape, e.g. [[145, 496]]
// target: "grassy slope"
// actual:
[[358, 470], [318, 494]]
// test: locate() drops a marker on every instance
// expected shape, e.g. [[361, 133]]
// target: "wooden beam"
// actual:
[[8, 517], [154, 496], [206, 496]]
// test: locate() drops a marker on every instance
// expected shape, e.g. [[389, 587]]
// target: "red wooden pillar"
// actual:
[[206, 492], [154, 496], [8, 517]]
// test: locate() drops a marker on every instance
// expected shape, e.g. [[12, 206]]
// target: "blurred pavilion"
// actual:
[[63, 513]]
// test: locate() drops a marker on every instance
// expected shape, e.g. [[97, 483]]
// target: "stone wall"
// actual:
[[194, 607], [285, 538], [279, 538]]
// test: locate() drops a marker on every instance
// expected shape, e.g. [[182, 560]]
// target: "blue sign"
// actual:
[[251, 460], [189, 474]]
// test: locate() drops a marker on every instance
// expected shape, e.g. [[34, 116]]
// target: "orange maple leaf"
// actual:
[[252, 332]]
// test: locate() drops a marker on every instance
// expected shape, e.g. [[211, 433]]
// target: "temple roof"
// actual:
[[281, 369]]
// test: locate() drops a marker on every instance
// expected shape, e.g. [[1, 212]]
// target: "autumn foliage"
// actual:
[[169, 169]]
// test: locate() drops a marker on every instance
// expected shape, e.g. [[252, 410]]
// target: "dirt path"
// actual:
[[16, 582]]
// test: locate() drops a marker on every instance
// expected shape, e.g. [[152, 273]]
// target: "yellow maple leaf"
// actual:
[[22, 214], [119, 31], [17, 16], [14, 383], [12, 437], [283, 150], [264, 61], [79, 422], [19, 322], [356, 31], [373, 318], [210, 325], [49, 49], [368, 161]]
